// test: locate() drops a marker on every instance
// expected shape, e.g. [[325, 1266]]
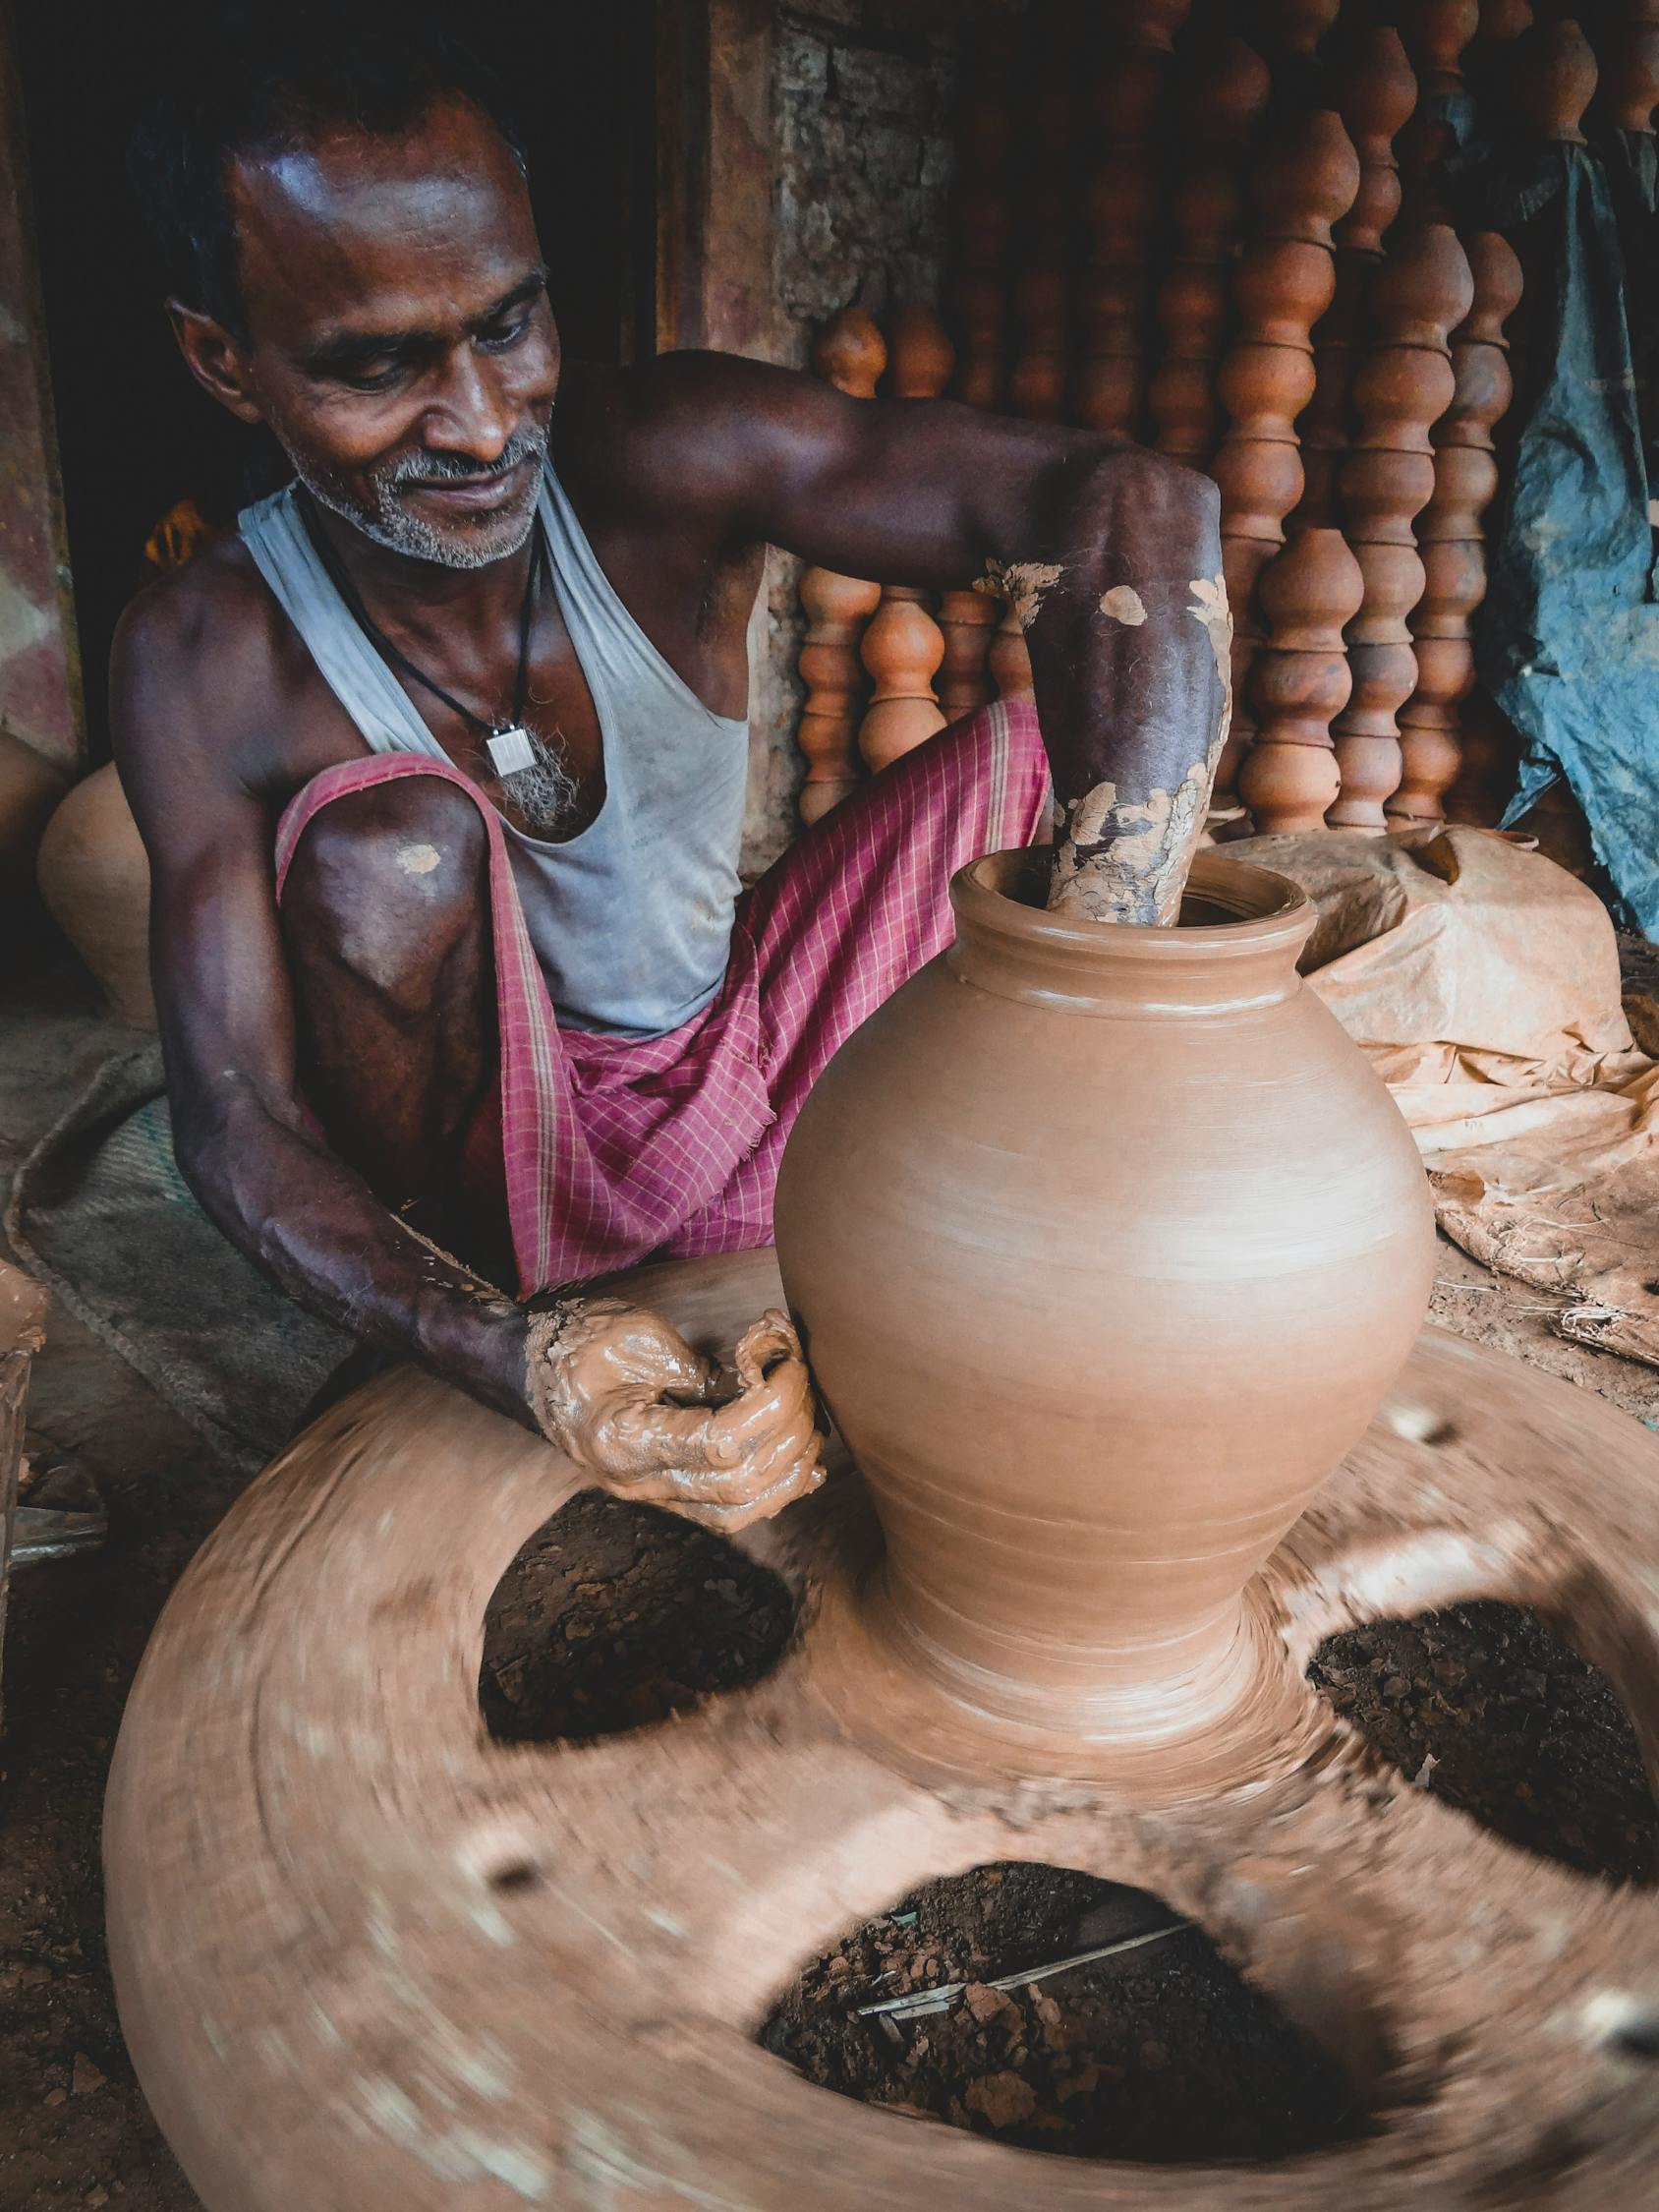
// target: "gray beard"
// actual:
[[546, 792], [387, 521]]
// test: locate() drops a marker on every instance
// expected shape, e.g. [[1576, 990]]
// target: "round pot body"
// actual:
[[95, 876], [1105, 1243]]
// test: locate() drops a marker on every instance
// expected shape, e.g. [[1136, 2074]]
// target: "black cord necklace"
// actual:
[[507, 743]]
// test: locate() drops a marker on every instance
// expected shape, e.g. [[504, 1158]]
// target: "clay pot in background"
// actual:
[[94, 876], [31, 785], [1105, 1243]]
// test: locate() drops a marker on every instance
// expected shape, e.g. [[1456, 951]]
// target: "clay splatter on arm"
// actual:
[[1123, 859], [1129, 635], [1024, 584]]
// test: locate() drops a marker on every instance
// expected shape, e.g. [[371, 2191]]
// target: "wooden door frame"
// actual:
[[715, 176], [37, 600]]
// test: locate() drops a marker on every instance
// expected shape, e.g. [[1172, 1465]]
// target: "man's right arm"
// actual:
[[613, 1388], [244, 1142]]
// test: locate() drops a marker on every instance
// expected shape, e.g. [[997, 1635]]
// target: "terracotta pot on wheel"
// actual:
[[1105, 1243]]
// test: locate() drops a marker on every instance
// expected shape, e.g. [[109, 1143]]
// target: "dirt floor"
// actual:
[[615, 1615]]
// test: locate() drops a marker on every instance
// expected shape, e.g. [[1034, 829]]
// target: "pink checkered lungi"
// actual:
[[616, 1148]]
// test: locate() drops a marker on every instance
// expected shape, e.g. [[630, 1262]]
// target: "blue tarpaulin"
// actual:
[[1568, 642]]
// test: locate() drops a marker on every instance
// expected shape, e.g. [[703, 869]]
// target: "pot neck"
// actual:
[[1234, 947]]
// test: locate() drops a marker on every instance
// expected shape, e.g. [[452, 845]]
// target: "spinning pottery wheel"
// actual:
[[369, 1958]]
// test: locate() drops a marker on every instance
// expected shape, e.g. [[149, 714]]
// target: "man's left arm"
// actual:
[[1110, 554]]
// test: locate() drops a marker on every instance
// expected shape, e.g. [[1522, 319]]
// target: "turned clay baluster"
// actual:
[[983, 222], [923, 360], [1008, 663], [902, 649], [1437, 31], [978, 663], [1501, 23], [1556, 81], [1630, 85], [1037, 380], [1123, 200], [836, 608], [1376, 92], [968, 620], [1430, 751], [1300, 680], [1294, 27], [903, 645], [982, 318], [1490, 752], [1450, 537], [1284, 285], [1403, 387], [1042, 292], [1218, 112], [1489, 63], [1549, 82], [1150, 26], [851, 354]]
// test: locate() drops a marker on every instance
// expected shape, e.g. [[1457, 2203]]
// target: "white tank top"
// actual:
[[631, 918]]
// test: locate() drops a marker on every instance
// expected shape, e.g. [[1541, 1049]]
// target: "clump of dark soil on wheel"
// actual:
[[1157, 2053], [1487, 1707], [614, 1615]]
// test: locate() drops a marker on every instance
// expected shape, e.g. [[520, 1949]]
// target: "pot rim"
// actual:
[[1269, 912]]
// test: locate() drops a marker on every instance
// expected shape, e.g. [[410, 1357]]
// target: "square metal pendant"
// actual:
[[510, 750]]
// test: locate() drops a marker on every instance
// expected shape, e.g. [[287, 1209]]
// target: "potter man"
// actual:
[[440, 759]]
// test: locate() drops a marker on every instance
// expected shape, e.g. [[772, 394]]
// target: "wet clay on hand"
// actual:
[[624, 1395]]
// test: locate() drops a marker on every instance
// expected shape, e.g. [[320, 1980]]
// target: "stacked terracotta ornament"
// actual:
[[1450, 537], [1284, 282], [886, 666], [905, 647], [1375, 93], [1235, 249], [851, 354], [1404, 388]]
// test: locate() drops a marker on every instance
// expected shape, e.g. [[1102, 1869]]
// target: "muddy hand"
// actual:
[[624, 1396]]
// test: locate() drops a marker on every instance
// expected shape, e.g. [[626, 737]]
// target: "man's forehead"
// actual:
[[366, 228]]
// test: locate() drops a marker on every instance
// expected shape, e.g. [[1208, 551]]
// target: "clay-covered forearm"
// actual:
[[316, 1230], [1109, 554], [1126, 618]]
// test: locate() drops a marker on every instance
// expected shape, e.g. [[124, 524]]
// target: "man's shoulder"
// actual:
[[197, 662], [207, 604]]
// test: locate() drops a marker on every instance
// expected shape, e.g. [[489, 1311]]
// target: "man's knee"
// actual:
[[388, 880]]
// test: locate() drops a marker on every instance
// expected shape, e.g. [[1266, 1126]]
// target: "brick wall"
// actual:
[[864, 96]]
